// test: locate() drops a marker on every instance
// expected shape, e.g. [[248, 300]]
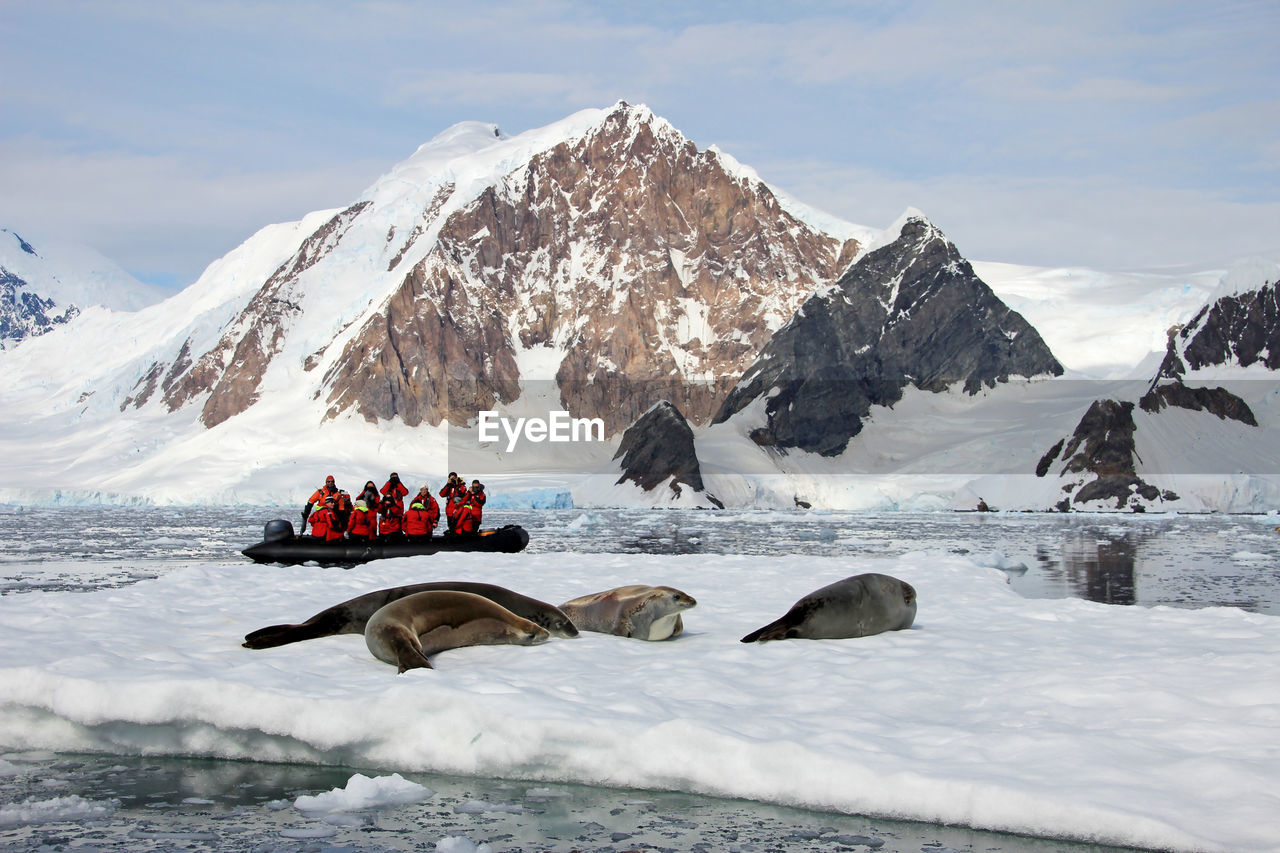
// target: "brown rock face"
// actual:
[[231, 370], [658, 272]]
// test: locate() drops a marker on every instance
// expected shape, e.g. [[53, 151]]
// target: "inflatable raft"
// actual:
[[280, 545]]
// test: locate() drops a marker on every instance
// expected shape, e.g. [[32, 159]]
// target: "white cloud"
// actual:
[[1101, 222], [569, 91], [152, 213]]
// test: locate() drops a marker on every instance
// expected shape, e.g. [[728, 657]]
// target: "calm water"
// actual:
[[1183, 561], [174, 804]]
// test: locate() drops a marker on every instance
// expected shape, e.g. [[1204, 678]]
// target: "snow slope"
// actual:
[[1150, 727]]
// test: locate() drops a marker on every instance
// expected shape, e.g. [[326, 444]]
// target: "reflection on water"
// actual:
[[1100, 570], [1184, 561]]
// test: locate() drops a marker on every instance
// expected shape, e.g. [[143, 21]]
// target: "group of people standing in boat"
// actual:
[[379, 515]]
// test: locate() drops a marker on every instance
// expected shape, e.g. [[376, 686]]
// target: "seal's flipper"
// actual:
[[773, 631], [408, 653], [326, 623], [272, 636]]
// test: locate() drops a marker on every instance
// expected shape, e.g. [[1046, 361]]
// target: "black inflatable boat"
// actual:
[[280, 545]]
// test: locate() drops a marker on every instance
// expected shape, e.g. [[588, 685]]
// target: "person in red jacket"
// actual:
[[455, 486], [370, 495], [423, 516], [391, 519], [395, 490], [478, 498], [342, 509], [364, 523], [451, 509], [467, 522], [328, 490], [324, 524]]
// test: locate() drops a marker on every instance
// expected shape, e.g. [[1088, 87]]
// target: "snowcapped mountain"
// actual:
[[1210, 414], [593, 267], [909, 313], [1238, 329], [47, 287], [608, 249]]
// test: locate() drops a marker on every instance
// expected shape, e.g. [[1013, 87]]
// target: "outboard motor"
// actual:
[[277, 529]]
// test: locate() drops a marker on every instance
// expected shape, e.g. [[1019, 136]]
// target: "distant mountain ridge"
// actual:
[[41, 289], [597, 266], [1234, 336]]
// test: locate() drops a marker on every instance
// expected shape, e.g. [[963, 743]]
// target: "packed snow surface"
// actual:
[[1154, 727]]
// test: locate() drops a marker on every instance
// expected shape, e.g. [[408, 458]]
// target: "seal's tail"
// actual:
[[773, 631], [274, 635]]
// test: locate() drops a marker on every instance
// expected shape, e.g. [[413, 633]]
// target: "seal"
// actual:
[[642, 612], [857, 606], [350, 617], [409, 629]]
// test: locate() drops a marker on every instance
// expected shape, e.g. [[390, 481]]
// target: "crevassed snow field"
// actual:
[[1154, 727]]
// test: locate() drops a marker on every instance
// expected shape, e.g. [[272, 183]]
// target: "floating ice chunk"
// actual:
[[363, 792], [481, 806], [31, 811], [458, 844], [309, 832]]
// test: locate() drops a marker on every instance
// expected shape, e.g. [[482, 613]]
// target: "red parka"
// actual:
[[324, 525], [468, 520], [364, 523], [392, 519], [422, 517], [396, 491]]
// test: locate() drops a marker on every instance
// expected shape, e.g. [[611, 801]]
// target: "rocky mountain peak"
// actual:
[[659, 448], [654, 272], [1241, 329], [910, 312]]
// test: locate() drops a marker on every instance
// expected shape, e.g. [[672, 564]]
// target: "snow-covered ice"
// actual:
[[1147, 726]]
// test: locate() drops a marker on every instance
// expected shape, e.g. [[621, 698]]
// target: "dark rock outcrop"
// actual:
[[912, 313], [25, 314], [659, 447], [1218, 401], [1240, 329], [1103, 445]]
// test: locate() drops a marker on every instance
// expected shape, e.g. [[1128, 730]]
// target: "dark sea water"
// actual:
[[175, 804]]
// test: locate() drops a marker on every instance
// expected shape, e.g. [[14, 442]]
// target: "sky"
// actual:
[[1112, 135]]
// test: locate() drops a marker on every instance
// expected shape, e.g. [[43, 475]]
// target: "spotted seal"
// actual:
[[639, 611]]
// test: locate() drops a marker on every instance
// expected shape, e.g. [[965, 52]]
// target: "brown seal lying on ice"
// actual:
[[409, 629]]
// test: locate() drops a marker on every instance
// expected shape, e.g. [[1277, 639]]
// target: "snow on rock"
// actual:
[[72, 274]]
